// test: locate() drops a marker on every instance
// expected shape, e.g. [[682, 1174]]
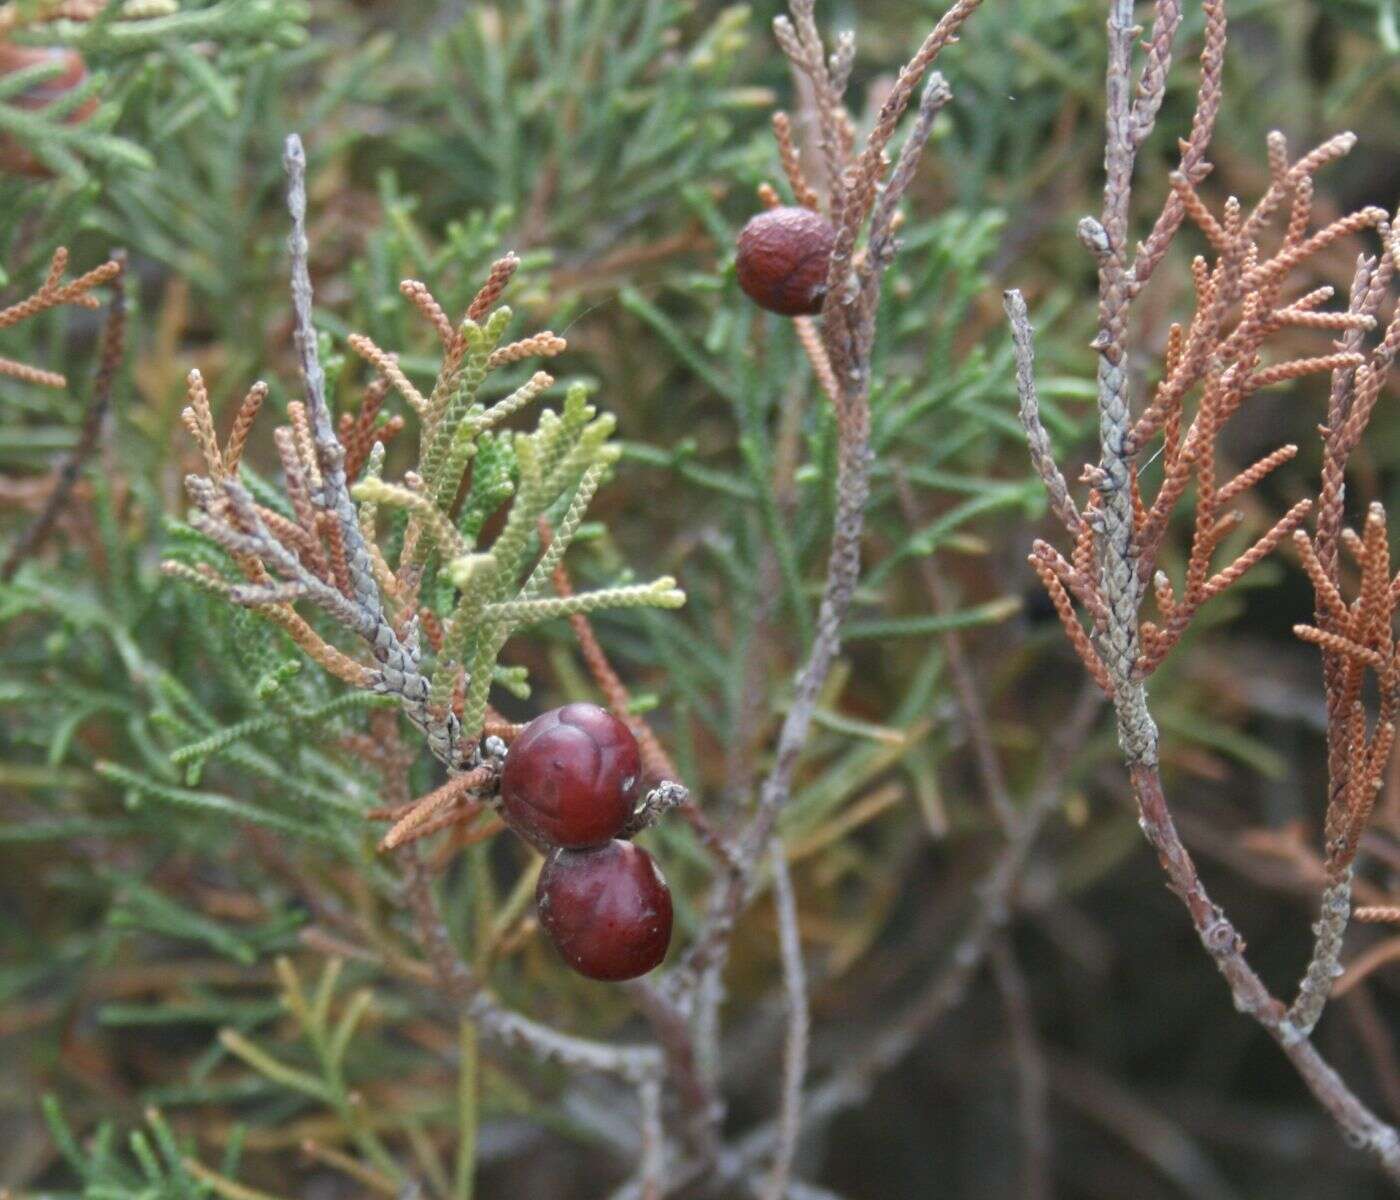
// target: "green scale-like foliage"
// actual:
[[487, 593]]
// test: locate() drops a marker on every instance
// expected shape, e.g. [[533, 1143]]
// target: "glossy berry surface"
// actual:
[[72, 73], [606, 909], [783, 257], [571, 777]]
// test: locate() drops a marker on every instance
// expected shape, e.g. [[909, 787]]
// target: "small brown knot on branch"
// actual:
[[1097, 478], [1220, 937]]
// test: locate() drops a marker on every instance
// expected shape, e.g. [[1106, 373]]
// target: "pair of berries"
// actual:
[[570, 782]]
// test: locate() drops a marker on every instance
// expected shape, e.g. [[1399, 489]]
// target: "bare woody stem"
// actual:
[[798, 1026]]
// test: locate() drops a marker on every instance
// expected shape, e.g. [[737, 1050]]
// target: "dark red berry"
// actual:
[[571, 777], [783, 257], [607, 909], [72, 74]]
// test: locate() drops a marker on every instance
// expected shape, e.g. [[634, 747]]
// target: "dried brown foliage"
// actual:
[[1245, 294], [53, 293]]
